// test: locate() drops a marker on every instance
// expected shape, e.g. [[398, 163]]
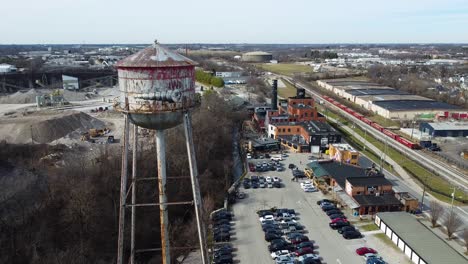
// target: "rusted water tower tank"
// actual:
[[156, 87]]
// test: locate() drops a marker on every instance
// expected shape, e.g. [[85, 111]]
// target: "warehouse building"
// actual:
[[409, 109], [445, 129], [417, 241], [257, 56]]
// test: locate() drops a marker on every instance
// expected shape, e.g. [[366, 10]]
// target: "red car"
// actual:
[[300, 239], [364, 250], [339, 220], [303, 251]]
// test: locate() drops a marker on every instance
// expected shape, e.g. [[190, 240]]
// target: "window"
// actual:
[[358, 193], [289, 130], [305, 114], [353, 156], [297, 130]]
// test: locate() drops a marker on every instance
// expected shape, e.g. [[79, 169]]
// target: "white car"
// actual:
[[284, 155], [302, 258], [285, 216], [269, 179], [306, 183], [284, 260], [262, 185], [276, 179], [372, 255], [266, 217], [249, 156], [270, 185], [280, 253], [310, 189]]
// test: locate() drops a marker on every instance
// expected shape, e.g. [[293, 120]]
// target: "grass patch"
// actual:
[[288, 91], [384, 121], [368, 227], [384, 238], [286, 68]]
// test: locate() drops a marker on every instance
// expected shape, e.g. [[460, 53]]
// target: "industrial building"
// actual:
[[365, 191], [257, 56], [445, 129], [310, 136], [417, 241], [385, 101]]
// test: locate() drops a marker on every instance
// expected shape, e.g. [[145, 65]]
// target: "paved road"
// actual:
[[249, 238]]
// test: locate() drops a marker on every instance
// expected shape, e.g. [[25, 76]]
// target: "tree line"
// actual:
[[208, 78]]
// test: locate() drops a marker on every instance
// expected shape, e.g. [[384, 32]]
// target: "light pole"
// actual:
[[412, 129], [424, 194]]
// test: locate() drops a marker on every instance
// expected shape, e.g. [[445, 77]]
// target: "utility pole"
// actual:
[[382, 157], [365, 138], [424, 194]]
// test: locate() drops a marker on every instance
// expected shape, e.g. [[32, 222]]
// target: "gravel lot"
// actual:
[[331, 246]]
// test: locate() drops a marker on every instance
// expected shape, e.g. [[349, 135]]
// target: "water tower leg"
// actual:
[[195, 186], [123, 193], [161, 156], [134, 172]]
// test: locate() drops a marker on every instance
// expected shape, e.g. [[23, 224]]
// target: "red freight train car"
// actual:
[[390, 134], [407, 143], [367, 121], [377, 126]]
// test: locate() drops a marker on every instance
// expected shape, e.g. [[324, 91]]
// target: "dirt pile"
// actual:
[[45, 129], [28, 97]]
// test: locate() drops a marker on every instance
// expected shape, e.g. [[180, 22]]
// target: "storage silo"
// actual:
[[157, 91], [257, 56]]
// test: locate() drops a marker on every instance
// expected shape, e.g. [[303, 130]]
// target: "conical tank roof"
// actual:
[[156, 56]]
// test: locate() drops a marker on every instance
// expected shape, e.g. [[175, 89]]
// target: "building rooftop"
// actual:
[[376, 200], [368, 181], [312, 127], [343, 146], [337, 170], [407, 105], [371, 91], [421, 239], [450, 126], [394, 97]]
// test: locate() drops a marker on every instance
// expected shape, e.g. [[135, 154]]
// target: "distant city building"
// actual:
[[6, 68], [257, 56]]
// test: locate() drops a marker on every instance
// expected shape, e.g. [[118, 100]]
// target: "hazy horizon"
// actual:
[[241, 22]]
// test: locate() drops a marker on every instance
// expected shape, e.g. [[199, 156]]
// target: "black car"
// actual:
[[246, 185], [334, 211], [270, 236], [291, 166], [222, 222], [352, 234], [228, 225], [305, 244], [222, 237], [226, 247], [280, 246], [274, 232], [291, 211], [346, 229], [326, 208], [255, 185], [324, 201], [222, 253], [278, 241], [334, 216], [338, 224], [312, 261], [223, 260], [224, 229], [221, 216], [276, 184], [254, 178], [293, 235]]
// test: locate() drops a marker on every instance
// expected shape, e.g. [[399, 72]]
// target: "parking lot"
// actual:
[[249, 237]]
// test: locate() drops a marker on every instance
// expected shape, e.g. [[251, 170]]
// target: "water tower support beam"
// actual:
[[134, 175], [161, 156], [195, 186], [123, 192]]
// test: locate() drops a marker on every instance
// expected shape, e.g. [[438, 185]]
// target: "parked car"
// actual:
[[303, 251], [240, 195], [280, 246], [365, 250], [334, 211], [375, 261], [310, 189], [338, 224], [249, 156], [264, 212], [266, 217], [291, 166], [293, 235], [270, 185], [372, 256], [346, 228], [223, 260], [262, 185], [324, 201], [277, 184], [298, 240], [305, 244], [323, 204], [284, 260], [335, 216], [279, 168], [276, 179], [220, 254], [274, 232], [246, 185], [270, 236], [269, 179], [339, 219], [307, 257], [327, 207], [255, 185], [280, 253], [222, 237], [352, 234]]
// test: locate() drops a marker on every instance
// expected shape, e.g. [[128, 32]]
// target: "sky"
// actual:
[[237, 21]]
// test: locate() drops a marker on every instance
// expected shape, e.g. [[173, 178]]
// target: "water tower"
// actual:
[[157, 91]]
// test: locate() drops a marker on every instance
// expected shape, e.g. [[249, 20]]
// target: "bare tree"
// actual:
[[452, 222], [436, 211]]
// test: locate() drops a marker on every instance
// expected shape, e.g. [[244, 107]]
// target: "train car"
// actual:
[[358, 116], [390, 134], [408, 143], [367, 121], [377, 126]]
